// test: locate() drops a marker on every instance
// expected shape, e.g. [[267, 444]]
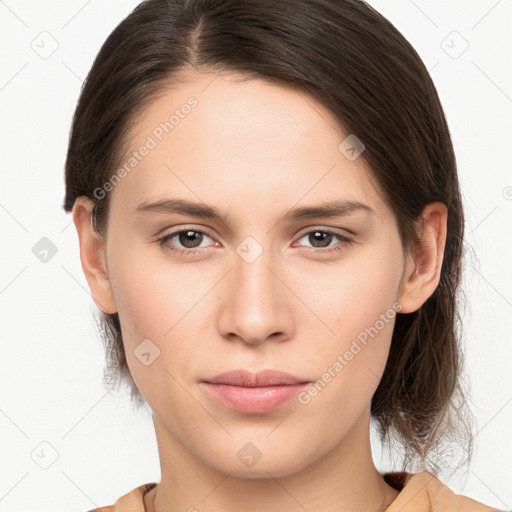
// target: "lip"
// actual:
[[262, 378], [255, 393]]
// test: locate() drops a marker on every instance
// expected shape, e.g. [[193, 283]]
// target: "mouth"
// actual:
[[262, 378], [255, 393]]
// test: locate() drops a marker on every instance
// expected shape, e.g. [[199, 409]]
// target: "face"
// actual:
[[260, 286]]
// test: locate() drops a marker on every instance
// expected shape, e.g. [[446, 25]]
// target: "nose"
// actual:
[[257, 303]]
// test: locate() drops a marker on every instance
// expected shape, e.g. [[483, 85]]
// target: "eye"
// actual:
[[190, 239], [321, 238]]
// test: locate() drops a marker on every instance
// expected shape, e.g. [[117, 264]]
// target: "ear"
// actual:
[[92, 256], [422, 269]]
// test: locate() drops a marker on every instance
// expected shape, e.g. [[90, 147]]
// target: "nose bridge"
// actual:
[[254, 301]]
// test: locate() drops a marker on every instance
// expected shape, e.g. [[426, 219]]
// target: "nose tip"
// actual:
[[255, 309]]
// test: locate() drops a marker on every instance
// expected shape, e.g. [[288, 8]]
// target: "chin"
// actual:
[[274, 464]]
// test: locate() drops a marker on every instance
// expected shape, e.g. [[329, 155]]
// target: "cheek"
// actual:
[[152, 293], [357, 306], [165, 304], [352, 295]]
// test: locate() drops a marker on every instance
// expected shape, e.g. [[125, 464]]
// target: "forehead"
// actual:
[[217, 139]]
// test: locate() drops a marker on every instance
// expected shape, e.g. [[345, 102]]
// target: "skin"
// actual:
[[255, 150]]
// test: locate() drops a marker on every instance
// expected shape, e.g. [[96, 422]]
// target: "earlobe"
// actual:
[[92, 256], [422, 270]]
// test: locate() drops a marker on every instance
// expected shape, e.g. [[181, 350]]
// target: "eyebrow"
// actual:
[[329, 209]]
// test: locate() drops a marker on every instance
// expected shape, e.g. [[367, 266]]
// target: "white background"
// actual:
[[52, 359]]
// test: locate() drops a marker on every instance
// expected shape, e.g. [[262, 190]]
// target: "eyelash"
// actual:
[[163, 241]]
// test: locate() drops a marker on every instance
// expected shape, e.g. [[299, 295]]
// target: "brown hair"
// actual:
[[357, 64]]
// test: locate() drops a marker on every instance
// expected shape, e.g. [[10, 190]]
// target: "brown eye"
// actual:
[[186, 240], [319, 238]]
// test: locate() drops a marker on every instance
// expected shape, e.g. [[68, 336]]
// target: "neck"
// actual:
[[344, 479]]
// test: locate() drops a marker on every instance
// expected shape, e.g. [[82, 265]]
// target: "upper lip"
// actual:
[[252, 380]]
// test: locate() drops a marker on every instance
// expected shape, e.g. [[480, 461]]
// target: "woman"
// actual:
[[269, 217]]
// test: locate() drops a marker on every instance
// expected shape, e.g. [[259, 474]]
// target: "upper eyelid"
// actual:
[[174, 232]]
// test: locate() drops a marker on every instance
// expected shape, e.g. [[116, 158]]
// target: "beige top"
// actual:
[[419, 492]]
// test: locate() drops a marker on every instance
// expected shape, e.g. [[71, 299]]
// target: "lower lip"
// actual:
[[253, 400]]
